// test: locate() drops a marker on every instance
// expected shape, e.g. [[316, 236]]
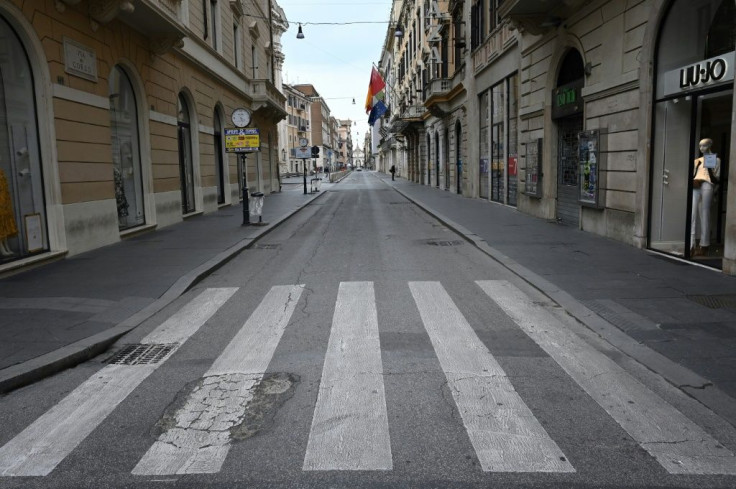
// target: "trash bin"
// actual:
[[255, 206], [315, 185]]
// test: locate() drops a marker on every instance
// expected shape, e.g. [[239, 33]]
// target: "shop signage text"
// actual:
[[566, 96], [80, 60], [434, 38], [242, 140], [567, 100], [705, 73]]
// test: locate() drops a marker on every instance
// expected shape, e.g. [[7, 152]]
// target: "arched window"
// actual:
[[126, 159], [186, 163], [458, 156], [219, 158], [22, 207]]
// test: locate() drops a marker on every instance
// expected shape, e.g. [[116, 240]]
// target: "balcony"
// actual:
[[539, 16], [439, 87], [413, 112], [268, 102], [159, 20], [440, 93]]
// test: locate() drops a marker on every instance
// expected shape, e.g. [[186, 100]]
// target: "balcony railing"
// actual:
[[413, 112], [438, 87]]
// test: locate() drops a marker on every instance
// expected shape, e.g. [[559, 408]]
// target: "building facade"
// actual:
[[112, 117], [298, 125], [424, 65], [321, 134], [596, 114]]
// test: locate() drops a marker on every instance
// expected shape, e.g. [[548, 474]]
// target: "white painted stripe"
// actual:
[[350, 424], [162, 118], [677, 443], [81, 97], [38, 449], [200, 440], [503, 430]]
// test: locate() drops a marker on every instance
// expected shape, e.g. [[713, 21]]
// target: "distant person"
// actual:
[[327, 173], [393, 172]]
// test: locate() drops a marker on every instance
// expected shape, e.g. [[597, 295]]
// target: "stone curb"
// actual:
[[80, 351], [681, 377]]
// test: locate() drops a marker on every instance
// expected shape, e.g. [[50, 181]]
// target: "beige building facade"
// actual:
[[298, 124], [596, 114], [113, 117]]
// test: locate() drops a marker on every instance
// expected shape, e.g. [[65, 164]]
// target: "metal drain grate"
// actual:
[[142, 354], [441, 242], [266, 246], [714, 301]]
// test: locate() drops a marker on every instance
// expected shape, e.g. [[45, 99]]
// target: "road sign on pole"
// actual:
[[242, 140]]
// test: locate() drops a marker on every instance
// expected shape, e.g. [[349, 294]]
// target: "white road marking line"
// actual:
[[503, 430], [200, 440], [350, 424], [678, 444], [38, 449]]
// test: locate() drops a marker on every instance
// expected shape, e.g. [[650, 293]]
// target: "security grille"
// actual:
[[142, 354], [266, 246], [439, 242], [715, 301]]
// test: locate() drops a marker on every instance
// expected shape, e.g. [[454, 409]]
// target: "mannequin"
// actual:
[[705, 176], [8, 227]]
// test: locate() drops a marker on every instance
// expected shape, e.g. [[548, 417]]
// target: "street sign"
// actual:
[[242, 140], [303, 153]]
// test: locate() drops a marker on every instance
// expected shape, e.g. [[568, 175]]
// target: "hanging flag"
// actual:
[[374, 101]]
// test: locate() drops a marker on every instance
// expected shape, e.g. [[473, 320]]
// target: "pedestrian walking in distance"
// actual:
[[393, 172]]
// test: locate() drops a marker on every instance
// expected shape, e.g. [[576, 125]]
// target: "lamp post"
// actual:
[[246, 210]]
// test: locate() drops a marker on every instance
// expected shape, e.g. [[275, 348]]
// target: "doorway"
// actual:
[[568, 209]]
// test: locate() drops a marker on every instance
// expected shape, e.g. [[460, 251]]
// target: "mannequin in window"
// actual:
[[8, 226], [706, 171]]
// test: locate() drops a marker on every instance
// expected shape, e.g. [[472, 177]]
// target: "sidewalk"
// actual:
[[675, 318], [66, 312]]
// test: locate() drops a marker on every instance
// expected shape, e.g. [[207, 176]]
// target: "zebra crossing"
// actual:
[[350, 426]]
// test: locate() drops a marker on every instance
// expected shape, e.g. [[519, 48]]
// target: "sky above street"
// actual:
[[336, 59]]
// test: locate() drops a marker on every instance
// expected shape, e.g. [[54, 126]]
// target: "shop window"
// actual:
[[22, 208], [485, 150], [688, 217], [186, 162], [127, 174], [220, 170]]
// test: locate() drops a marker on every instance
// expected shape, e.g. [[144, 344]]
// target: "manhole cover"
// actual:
[[444, 242], [266, 246], [714, 301], [142, 354]]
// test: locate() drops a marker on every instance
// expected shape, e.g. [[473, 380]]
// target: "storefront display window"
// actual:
[[498, 138], [484, 163], [513, 137], [125, 151], [693, 106], [22, 210], [503, 140], [186, 164]]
